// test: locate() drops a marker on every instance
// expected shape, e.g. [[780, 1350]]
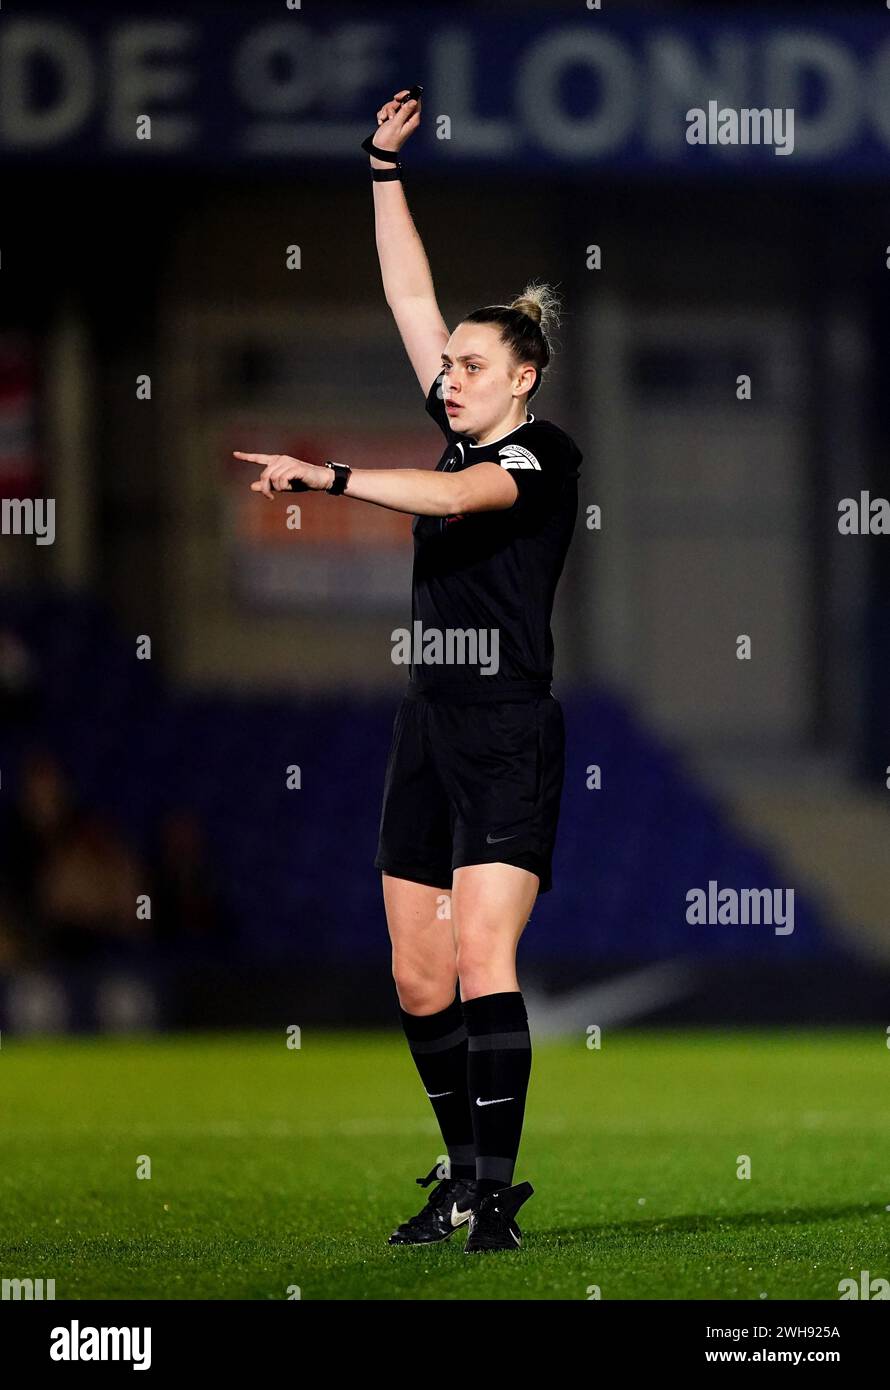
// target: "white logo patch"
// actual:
[[514, 456]]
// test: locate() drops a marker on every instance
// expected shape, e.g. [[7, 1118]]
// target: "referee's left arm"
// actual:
[[425, 492], [483, 487]]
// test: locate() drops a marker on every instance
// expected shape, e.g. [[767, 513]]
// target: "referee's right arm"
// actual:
[[407, 281]]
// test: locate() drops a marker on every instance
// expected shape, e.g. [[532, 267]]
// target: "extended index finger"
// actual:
[[262, 459]]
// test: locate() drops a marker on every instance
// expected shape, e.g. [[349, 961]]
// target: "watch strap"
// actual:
[[391, 156], [342, 472]]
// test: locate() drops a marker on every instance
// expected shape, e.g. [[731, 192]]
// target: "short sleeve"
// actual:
[[540, 466], [435, 406]]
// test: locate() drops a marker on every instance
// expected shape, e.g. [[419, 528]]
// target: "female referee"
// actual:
[[475, 771]]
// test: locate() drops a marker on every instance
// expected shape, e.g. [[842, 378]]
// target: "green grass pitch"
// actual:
[[273, 1168]]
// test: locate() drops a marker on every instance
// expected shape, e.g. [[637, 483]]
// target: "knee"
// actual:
[[482, 970], [474, 969], [419, 992]]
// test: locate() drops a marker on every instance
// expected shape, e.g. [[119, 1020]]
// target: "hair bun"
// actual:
[[541, 305], [528, 306]]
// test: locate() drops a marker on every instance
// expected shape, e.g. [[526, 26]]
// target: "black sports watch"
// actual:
[[342, 472]]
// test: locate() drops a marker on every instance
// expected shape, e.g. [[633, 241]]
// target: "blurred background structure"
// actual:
[[197, 698]]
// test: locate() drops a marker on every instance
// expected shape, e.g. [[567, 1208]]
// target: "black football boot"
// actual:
[[492, 1223], [447, 1208]]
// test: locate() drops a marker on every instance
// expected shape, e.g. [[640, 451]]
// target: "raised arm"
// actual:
[[408, 285], [407, 282]]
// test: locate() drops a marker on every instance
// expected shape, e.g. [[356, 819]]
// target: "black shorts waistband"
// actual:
[[485, 692]]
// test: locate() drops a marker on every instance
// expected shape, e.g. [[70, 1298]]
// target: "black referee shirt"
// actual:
[[493, 570]]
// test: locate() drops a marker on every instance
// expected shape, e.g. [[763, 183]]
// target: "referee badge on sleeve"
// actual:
[[514, 456]]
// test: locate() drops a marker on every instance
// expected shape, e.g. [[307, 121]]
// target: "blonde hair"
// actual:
[[541, 303]]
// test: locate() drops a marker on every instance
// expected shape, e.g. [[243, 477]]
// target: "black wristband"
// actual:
[[389, 155], [342, 473], [341, 478], [385, 175]]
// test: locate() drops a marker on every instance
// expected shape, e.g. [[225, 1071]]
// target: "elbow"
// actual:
[[457, 498], [497, 493]]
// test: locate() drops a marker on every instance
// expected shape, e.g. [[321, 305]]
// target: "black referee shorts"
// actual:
[[472, 784]]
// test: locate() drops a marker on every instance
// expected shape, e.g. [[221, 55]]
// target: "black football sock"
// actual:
[[438, 1044], [498, 1068]]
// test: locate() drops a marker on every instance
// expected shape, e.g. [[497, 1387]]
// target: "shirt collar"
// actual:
[[527, 421]]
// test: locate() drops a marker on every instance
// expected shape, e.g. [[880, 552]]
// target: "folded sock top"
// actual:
[[494, 1013], [423, 1027]]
